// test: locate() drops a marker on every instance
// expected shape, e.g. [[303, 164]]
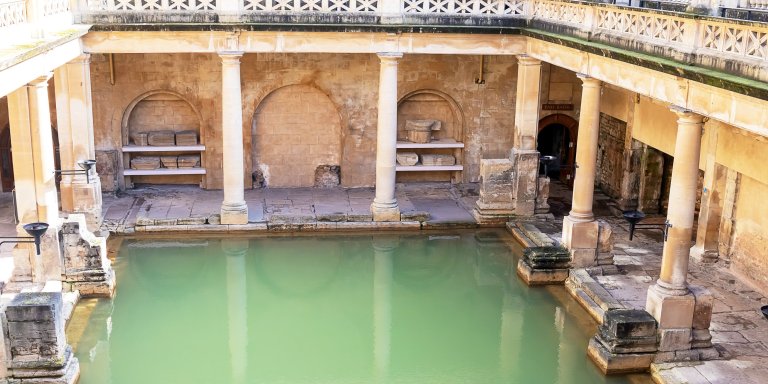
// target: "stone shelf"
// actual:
[[164, 171], [171, 148], [428, 168], [444, 143]]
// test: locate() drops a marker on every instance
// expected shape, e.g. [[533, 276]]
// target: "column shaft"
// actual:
[[682, 202], [233, 209], [586, 152], [74, 109], [527, 102], [384, 207]]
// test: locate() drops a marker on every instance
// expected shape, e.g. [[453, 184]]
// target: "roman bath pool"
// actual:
[[415, 308]]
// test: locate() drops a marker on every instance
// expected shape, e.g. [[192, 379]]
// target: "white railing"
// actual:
[[559, 12], [654, 28], [12, 12], [467, 7], [55, 7], [758, 4], [734, 40], [152, 5], [311, 5]]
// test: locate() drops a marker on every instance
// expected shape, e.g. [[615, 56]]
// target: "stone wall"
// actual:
[[610, 155], [349, 81], [750, 240]]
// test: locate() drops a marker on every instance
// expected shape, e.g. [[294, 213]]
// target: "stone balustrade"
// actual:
[[12, 13]]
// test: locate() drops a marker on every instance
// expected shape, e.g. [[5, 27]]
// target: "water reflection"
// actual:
[[414, 308]]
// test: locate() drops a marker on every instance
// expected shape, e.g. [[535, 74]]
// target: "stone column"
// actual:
[[508, 186], [74, 110], [35, 179], [233, 209], [710, 211], [235, 251], [669, 300], [580, 230], [384, 207]]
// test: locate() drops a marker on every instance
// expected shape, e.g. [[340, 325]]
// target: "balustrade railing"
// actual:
[[311, 5], [465, 7], [12, 12]]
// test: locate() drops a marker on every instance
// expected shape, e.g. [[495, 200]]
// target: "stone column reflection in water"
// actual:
[[383, 250], [235, 250], [384, 207]]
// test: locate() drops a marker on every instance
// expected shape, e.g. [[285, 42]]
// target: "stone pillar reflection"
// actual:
[[234, 209], [669, 300], [35, 179], [74, 110], [384, 207], [580, 230], [235, 251], [383, 249]]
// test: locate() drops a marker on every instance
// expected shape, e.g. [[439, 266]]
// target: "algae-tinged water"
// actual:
[[392, 309]]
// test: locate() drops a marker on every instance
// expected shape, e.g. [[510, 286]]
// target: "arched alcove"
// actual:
[[557, 137], [156, 111], [295, 129], [430, 104]]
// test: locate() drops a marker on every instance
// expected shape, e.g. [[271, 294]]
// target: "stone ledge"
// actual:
[[590, 294]]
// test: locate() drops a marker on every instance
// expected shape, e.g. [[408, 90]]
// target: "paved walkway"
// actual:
[[739, 332]]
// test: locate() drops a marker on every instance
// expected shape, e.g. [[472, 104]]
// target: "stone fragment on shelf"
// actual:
[[407, 158], [432, 160]]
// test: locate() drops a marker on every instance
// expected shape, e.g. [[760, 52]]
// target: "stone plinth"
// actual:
[[407, 158], [526, 167], [438, 160], [38, 347], [580, 237], [625, 341], [544, 265], [86, 267], [497, 199], [542, 204], [327, 176]]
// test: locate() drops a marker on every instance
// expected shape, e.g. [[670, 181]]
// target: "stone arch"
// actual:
[[167, 100], [559, 133], [432, 104], [295, 129]]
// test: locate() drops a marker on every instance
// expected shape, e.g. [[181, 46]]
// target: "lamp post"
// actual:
[[35, 230]]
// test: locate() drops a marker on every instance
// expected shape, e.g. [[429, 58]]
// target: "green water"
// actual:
[[395, 309]]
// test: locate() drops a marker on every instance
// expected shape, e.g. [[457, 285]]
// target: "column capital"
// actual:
[[686, 115], [84, 59], [230, 57], [526, 60], [589, 81], [41, 81], [389, 56]]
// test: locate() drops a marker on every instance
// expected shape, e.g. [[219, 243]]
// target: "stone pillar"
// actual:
[[35, 179], [383, 249], [74, 116], [508, 186], [234, 209], [235, 251], [669, 300], [580, 230], [36, 342], [86, 266], [384, 207], [708, 232]]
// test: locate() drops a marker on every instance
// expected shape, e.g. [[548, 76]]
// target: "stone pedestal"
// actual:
[[625, 342], [496, 203], [37, 344], [580, 237], [544, 265], [542, 197], [86, 267], [526, 168]]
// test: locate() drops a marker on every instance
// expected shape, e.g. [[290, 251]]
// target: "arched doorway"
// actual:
[[295, 130], [557, 137]]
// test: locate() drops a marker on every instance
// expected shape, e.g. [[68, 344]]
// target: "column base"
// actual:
[[385, 212], [234, 214], [704, 255], [79, 197], [612, 363], [534, 276], [580, 237], [671, 310]]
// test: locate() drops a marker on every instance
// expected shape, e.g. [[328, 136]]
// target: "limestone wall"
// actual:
[[343, 87], [750, 240]]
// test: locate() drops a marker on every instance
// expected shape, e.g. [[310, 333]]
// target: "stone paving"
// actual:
[[739, 331]]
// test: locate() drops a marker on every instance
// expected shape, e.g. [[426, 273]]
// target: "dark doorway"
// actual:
[[6, 158], [557, 137]]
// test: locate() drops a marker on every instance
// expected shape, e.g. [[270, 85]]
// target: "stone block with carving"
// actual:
[[407, 158], [438, 160], [625, 341], [420, 131]]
